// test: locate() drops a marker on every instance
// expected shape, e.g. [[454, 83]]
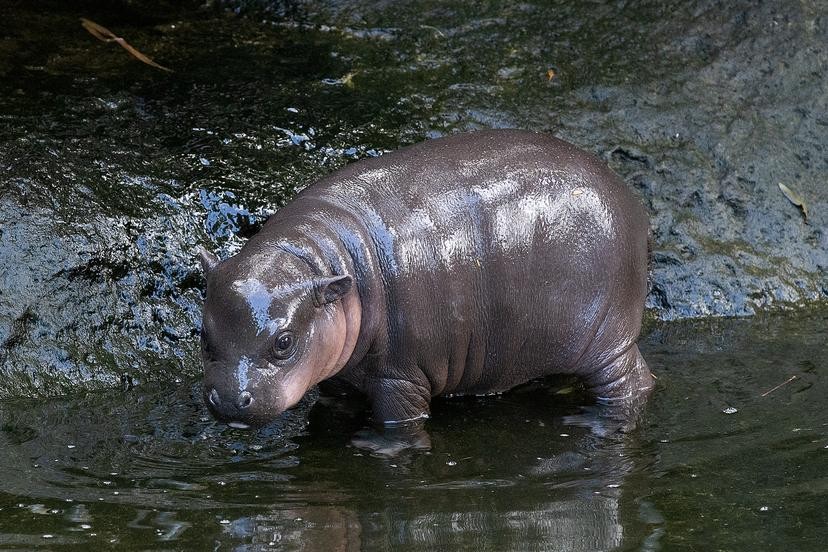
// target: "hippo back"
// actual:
[[502, 255]]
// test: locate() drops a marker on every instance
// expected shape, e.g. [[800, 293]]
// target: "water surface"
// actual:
[[714, 465]]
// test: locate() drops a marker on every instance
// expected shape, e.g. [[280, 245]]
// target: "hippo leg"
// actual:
[[627, 377], [400, 409], [622, 388], [397, 401]]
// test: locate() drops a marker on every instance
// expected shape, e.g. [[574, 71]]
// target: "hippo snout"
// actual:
[[242, 402], [237, 410]]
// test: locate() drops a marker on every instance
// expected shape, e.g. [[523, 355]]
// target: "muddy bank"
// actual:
[[111, 171]]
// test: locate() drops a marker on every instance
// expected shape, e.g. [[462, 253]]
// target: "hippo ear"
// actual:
[[328, 290], [208, 260]]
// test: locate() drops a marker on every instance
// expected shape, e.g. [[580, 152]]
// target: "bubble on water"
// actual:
[[730, 410], [764, 509], [451, 463]]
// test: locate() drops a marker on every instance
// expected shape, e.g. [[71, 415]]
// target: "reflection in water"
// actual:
[[136, 468], [587, 523], [553, 485], [331, 528]]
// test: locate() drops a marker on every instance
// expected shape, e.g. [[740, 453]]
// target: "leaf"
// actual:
[[794, 198], [105, 35], [101, 33]]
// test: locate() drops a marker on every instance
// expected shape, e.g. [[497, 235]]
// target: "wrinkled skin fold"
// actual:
[[462, 265]]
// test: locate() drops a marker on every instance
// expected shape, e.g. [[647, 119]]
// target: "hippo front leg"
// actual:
[[400, 409], [398, 401]]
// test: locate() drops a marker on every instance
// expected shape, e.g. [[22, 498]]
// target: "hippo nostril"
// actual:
[[245, 400], [214, 398]]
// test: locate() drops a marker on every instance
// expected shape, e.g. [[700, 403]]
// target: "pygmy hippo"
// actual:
[[462, 265]]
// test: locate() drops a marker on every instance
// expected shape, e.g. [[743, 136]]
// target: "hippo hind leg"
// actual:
[[622, 388], [627, 377]]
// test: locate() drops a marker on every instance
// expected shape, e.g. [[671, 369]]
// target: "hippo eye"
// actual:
[[284, 346]]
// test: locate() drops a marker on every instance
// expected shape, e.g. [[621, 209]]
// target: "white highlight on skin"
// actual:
[[376, 175], [414, 243], [497, 189], [459, 245], [563, 212], [259, 298], [245, 364]]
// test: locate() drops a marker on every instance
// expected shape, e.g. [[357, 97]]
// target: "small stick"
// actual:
[[769, 391], [105, 35]]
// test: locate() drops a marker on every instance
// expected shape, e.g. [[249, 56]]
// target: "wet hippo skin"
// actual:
[[462, 265]]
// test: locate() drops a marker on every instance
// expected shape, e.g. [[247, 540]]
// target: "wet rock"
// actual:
[[112, 172]]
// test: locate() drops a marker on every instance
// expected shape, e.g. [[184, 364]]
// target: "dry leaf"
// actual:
[[348, 80], [794, 198], [105, 35], [550, 74]]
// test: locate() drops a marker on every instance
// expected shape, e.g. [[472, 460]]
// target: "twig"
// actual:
[[105, 35], [786, 382]]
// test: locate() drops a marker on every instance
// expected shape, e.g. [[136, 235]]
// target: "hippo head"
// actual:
[[271, 330]]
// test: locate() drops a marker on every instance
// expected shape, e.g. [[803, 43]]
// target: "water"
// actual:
[[714, 464]]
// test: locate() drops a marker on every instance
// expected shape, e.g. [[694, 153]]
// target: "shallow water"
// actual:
[[714, 464]]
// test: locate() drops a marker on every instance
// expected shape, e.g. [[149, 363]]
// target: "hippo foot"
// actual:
[[392, 440], [609, 420]]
